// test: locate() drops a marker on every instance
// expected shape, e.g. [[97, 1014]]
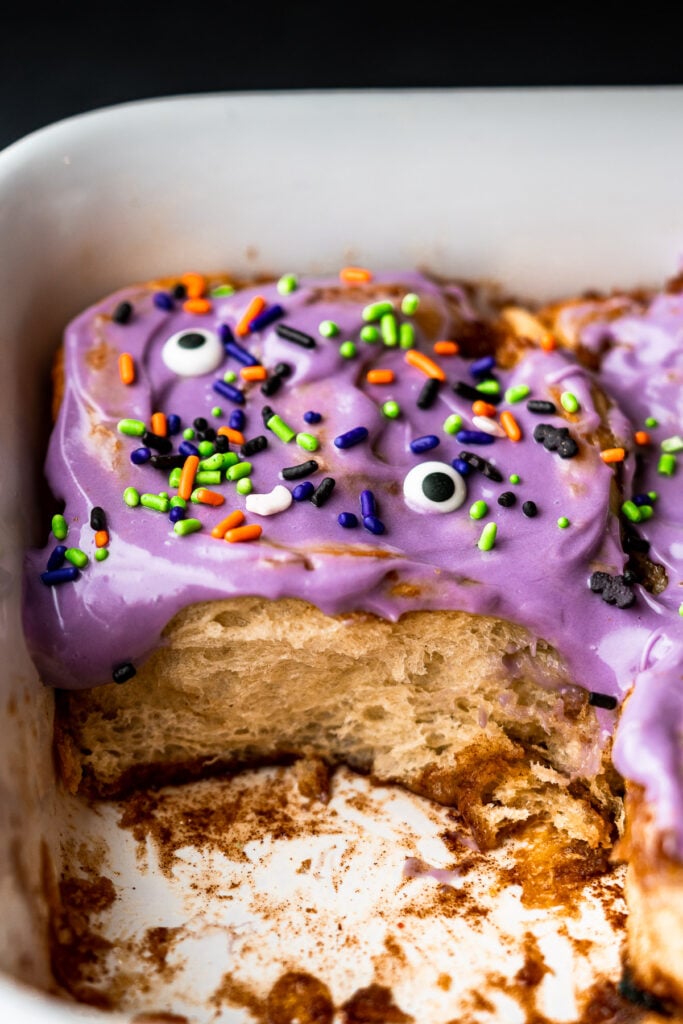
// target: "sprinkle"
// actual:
[[156, 441], [199, 306], [680, 609], [428, 393], [406, 335], [188, 433], [271, 385], [287, 284], [652, 495], [488, 387], [323, 491], [162, 300], [409, 303], [280, 428], [488, 426], [195, 284], [369, 334], [547, 343], [76, 557], [244, 486], [59, 526], [254, 307], [563, 522], [507, 499], [556, 439], [229, 376], [238, 352], [612, 454], [292, 334], [631, 511], [446, 348], [641, 437], [267, 317], [187, 476], [478, 510], [126, 368], [667, 464], [423, 363], [123, 672], [65, 574], [482, 465], [56, 559], [254, 445], [602, 700], [178, 502], [466, 391], [348, 520], [225, 333], [368, 505], [233, 435], [391, 409], [253, 372], [480, 367], [277, 500], [222, 291], [312, 417], [139, 456], [530, 509], [173, 424], [228, 391], [482, 408], [101, 538], [203, 496], [236, 421], [516, 393], [239, 534], [328, 328], [646, 512], [374, 525], [380, 377], [462, 467], [300, 471], [122, 313], [235, 518], [510, 426], [388, 326], [672, 444], [424, 443], [515, 478], [186, 448], [159, 424], [303, 491], [239, 470], [487, 538], [174, 478], [131, 497], [651, 422], [569, 402], [376, 310], [351, 437], [355, 275], [347, 350], [309, 442], [185, 526], [452, 424], [155, 502], [101, 554], [207, 477], [216, 411], [474, 437]]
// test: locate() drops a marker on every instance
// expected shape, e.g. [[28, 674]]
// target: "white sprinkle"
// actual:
[[488, 426], [277, 500]]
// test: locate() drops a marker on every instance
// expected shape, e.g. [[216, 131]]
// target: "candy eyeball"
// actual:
[[434, 487], [193, 352]]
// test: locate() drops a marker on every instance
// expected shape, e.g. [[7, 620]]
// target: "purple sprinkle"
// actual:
[[225, 333], [233, 394], [240, 354], [56, 559], [481, 366], [173, 424], [63, 575], [462, 467], [347, 519], [187, 448], [642, 499], [312, 417], [266, 317], [237, 420], [351, 437], [140, 455], [176, 513], [474, 437], [162, 300], [303, 491], [424, 444], [373, 524], [367, 503]]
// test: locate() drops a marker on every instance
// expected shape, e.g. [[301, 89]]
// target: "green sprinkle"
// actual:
[[652, 495], [646, 512], [206, 448], [132, 497], [453, 423], [188, 434], [208, 477], [370, 334], [388, 326], [76, 557], [214, 461], [287, 284], [239, 470], [59, 526], [672, 444], [667, 464], [563, 522], [244, 486], [217, 411], [569, 401], [174, 477], [514, 478], [347, 349], [101, 554], [406, 336], [220, 291], [185, 526], [651, 422], [680, 609], [631, 511], [133, 428], [280, 428], [489, 387], [178, 502], [488, 537], [328, 328], [376, 310], [409, 303], [229, 459], [478, 510], [307, 441], [229, 376], [517, 393], [194, 496], [164, 494], [154, 501], [391, 409]]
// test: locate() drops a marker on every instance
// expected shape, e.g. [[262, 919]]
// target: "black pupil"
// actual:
[[191, 340], [438, 486]]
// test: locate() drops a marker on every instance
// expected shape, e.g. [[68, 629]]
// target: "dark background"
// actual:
[[79, 57]]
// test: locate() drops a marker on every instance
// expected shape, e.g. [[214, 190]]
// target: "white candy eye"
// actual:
[[434, 487], [194, 352]]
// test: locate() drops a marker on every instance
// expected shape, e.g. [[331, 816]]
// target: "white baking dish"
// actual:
[[546, 191]]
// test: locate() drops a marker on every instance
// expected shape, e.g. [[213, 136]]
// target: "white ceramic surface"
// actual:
[[547, 191]]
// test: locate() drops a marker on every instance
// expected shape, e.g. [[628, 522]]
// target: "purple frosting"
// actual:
[[536, 574]]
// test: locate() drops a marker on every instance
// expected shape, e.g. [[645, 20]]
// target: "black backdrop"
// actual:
[[75, 56]]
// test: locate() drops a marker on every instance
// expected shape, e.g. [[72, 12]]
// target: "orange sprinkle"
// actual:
[[250, 532], [355, 275], [641, 437], [548, 343], [482, 408], [230, 522], [101, 538], [446, 348], [612, 455], [257, 372], [126, 368], [159, 425], [422, 362], [510, 425], [207, 497], [257, 304], [234, 436], [380, 377], [187, 475], [197, 305], [195, 284]]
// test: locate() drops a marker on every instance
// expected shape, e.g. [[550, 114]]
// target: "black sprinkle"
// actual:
[[538, 405], [485, 467], [472, 394], [614, 590], [98, 519], [179, 291], [507, 499], [283, 370], [266, 413], [323, 491], [122, 673], [271, 385], [529, 509], [601, 700], [208, 434], [254, 445], [122, 313], [222, 443], [156, 441], [200, 423], [298, 337], [428, 393], [556, 439], [300, 471], [167, 462]]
